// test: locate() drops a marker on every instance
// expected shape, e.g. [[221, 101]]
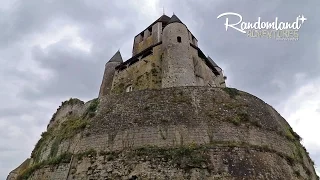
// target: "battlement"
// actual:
[[165, 54], [153, 35]]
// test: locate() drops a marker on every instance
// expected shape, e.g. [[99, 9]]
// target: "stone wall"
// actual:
[[219, 163], [59, 172], [156, 133], [72, 106], [190, 115], [148, 39], [204, 75], [144, 74], [14, 174], [178, 67]]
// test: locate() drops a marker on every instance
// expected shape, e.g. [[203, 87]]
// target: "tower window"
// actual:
[[129, 88], [179, 39]]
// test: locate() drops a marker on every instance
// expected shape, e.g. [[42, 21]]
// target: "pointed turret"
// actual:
[[116, 57], [164, 18], [174, 19], [109, 72]]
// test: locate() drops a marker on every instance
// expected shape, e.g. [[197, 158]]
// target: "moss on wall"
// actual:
[[69, 128], [63, 158], [186, 116], [144, 44], [144, 74]]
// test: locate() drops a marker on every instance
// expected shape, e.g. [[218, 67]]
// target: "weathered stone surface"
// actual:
[[177, 133]]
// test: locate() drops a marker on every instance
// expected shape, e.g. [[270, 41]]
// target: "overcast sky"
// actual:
[[51, 50]]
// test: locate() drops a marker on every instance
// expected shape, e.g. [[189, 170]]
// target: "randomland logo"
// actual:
[[277, 30]]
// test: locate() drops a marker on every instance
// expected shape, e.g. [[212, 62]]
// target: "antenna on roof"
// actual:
[[163, 9]]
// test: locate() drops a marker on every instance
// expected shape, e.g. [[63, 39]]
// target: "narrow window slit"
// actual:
[[179, 39]]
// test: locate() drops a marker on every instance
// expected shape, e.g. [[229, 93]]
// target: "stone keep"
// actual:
[[180, 122], [165, 54]]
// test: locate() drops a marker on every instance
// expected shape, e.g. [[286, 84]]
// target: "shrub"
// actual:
[[232, 92], [240, 118], [91, 111], [71, 127]]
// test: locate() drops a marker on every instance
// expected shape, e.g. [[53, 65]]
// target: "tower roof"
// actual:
[[163, 18], [116, 57], [174, 19]]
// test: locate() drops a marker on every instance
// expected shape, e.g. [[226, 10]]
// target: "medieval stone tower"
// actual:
[[163, 114], [165, 54]]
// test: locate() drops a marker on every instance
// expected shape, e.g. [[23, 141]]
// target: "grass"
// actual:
[[291, 135], [232, 92], [185, 156], [118, 88], [63, 158], [196, 155], [51, 133], [72, 126], [71, 101], [110, 155], [54, 148], [240, 118], [90, 152], [41, 144], [91, 110]]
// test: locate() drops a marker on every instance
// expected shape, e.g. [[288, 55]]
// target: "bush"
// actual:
[[91, 111], [71, 127], [232, 92]]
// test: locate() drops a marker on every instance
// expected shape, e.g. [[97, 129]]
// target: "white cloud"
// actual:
[[150, 9], [301, 110], [69, 32], [91, 26]]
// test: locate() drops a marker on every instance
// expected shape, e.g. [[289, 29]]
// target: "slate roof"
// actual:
[[174, 19], [164, 19], [116, 57]]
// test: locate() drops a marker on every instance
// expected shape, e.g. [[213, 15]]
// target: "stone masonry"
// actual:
[[166, 113], [232, 134]]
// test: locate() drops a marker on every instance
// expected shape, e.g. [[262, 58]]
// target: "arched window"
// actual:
[[129, 88], [179, 39]]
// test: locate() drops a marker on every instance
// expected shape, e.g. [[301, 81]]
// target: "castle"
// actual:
[[165, 54], [179, 127]]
